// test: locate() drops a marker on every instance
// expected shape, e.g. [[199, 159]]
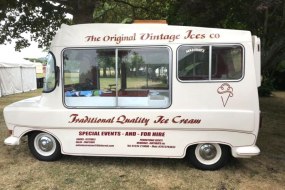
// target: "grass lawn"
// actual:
[[20, 170]]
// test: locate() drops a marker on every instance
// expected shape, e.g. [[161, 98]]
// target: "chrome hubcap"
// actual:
[[45, 144], [208, 151]]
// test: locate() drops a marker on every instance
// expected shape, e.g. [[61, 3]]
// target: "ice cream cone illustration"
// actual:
[[226, 91]]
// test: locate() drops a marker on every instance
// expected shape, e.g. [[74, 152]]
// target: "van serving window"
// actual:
[[125, 77], [219, 62]]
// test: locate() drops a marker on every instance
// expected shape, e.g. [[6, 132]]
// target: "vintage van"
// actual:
[[145, 90]]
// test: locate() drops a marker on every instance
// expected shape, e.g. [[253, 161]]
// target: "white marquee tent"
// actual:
[[17, 78]]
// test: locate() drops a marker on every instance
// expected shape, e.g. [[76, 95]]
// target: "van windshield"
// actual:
[[49, 80]]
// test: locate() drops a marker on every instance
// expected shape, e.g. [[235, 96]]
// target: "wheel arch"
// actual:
[[214, 155], [29, 132], [189, 146], [44, 145]]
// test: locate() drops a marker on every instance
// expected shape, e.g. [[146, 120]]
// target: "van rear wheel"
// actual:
[[208, 156], [44, 146]]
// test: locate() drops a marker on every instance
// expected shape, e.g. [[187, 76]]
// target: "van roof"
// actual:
[[90, 35]]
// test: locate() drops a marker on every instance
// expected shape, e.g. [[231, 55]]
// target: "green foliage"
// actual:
[[265, 19], [42, 60], [279, 76], [124, 11], [266, 88], [281, 66], [39, 18]]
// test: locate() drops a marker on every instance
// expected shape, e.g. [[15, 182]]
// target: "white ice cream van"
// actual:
[[145, 90]]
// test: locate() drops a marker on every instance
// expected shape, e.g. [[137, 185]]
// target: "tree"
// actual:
[[272, 27], [40, 19], [106, 62], [135, 62], [117, 11], [264, 18]]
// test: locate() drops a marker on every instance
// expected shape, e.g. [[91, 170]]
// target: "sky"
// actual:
[[9, 55]]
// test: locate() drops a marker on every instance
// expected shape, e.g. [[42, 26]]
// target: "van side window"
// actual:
[[226, 62], [193, 63], [124, 77], [210, 63]]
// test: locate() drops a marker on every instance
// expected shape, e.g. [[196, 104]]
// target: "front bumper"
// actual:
[[12, 141]]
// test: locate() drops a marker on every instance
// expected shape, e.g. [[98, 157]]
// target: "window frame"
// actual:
[[210, 80], [116, 50]]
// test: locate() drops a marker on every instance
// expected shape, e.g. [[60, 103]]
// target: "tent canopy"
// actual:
[[17, 77]]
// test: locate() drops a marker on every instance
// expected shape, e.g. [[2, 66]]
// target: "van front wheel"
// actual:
[[208, 156], [44, 146]]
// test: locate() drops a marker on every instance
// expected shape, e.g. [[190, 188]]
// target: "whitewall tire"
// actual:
[[44, 146], [208, 156]]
